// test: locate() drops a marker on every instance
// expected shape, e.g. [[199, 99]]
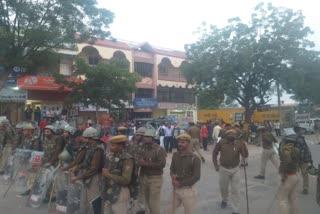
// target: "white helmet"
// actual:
[[90, 133]]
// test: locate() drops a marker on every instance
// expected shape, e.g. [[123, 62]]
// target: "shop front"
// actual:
[[44, 93], [143, 107], [177, 112]]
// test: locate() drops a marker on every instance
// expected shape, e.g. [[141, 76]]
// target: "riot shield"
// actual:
[[318, 187], [61, 191], [21, 165], [8, 170], [41, 185], [73, 197]]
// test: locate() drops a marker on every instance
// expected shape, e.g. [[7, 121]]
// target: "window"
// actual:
[[144, 69], [167, 71], [144, 93], [177, 95], [66, 67], [93, 60]]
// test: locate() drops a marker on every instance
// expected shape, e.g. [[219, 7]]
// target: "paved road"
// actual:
[[261, 193]]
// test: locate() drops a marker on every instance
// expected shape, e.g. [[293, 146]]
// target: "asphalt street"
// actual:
[[262, 194]]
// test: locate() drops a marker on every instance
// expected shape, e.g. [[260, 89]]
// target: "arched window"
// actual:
[[91, 55], [121, 59], [164, 67]]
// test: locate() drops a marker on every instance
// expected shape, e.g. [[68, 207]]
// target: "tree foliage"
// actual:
[[105, 84], [31, 31], [243, 60]]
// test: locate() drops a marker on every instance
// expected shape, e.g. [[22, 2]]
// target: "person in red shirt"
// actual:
[[204, 136], [42, 125]]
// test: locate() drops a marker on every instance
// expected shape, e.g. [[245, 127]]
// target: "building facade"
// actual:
[[162, 91]]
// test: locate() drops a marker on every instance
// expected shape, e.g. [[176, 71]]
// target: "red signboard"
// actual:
[[46, 83]]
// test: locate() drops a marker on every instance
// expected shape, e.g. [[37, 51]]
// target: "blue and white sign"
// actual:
[[145, 103]]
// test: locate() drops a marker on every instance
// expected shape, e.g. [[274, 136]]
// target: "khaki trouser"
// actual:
[[121, 205], [195, 144], [232, 177], [139, 203], [287, 195], [304, 174], [185, 196], [7, 150], [268, 154], [152, 190]]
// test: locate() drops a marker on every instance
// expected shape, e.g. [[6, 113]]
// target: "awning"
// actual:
[[44, 83], [142, 110]]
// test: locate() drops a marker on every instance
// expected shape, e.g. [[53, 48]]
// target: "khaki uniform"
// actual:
[[289, 166], [155, 156], [229, 171], [90, 174], [137, 152], [187, 169], [268, 153], [194, 132], [7, 139], [52, 146], [115, 191]]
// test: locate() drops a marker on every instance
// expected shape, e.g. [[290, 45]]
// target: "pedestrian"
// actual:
[[152, 164], [276, 126], [194, 132], [289, 166], [210, 132], [131, 131], [7, 141], [305, 158], [230, 150], [216, 131], [28, 113], [168, 130], [116, 177], [37, 115], [268, 152], [204, 137], [161, 133], [90, 175], [185, 172]]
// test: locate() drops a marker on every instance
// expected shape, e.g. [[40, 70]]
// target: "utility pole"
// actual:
[[279, 104]]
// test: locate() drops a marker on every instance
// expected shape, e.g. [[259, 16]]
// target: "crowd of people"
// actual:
[[83, 172]]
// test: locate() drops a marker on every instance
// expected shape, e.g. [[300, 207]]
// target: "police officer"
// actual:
[[117, 174], [305, 158], [185, 172], [230, 150], [136, 189], [194, 132], [268, 153], [122, 130], [29, 141], [289, 167], [7, 140], [90, 172], [152, 163], [52, 145]]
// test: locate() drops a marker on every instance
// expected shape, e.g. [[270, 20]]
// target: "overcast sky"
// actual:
[[171, 23]]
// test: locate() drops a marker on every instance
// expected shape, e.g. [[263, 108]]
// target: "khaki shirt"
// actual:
[[187, 168], [155, 156], [52, 147], [267, 140], [125, 178], [229, 153], [194, 132]]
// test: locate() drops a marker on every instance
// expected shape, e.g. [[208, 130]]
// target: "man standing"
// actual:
[[305, 158], [194, 132], [90, 174], [168, 137], [152, 164], [204, 137], [117, 173], [276, 126], [289, 167], [268, 153], [216, 131], [185, 172], [230, 150]]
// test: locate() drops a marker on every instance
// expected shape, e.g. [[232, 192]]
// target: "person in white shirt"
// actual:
[[276, 126], [168, 130], [216, 132]]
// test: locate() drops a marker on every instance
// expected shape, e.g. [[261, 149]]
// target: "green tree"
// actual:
[[244, 60], [32, 31], [105, 85]]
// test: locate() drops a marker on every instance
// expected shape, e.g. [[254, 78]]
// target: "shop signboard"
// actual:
[[238, 116], [8, 94], [145, 103]]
